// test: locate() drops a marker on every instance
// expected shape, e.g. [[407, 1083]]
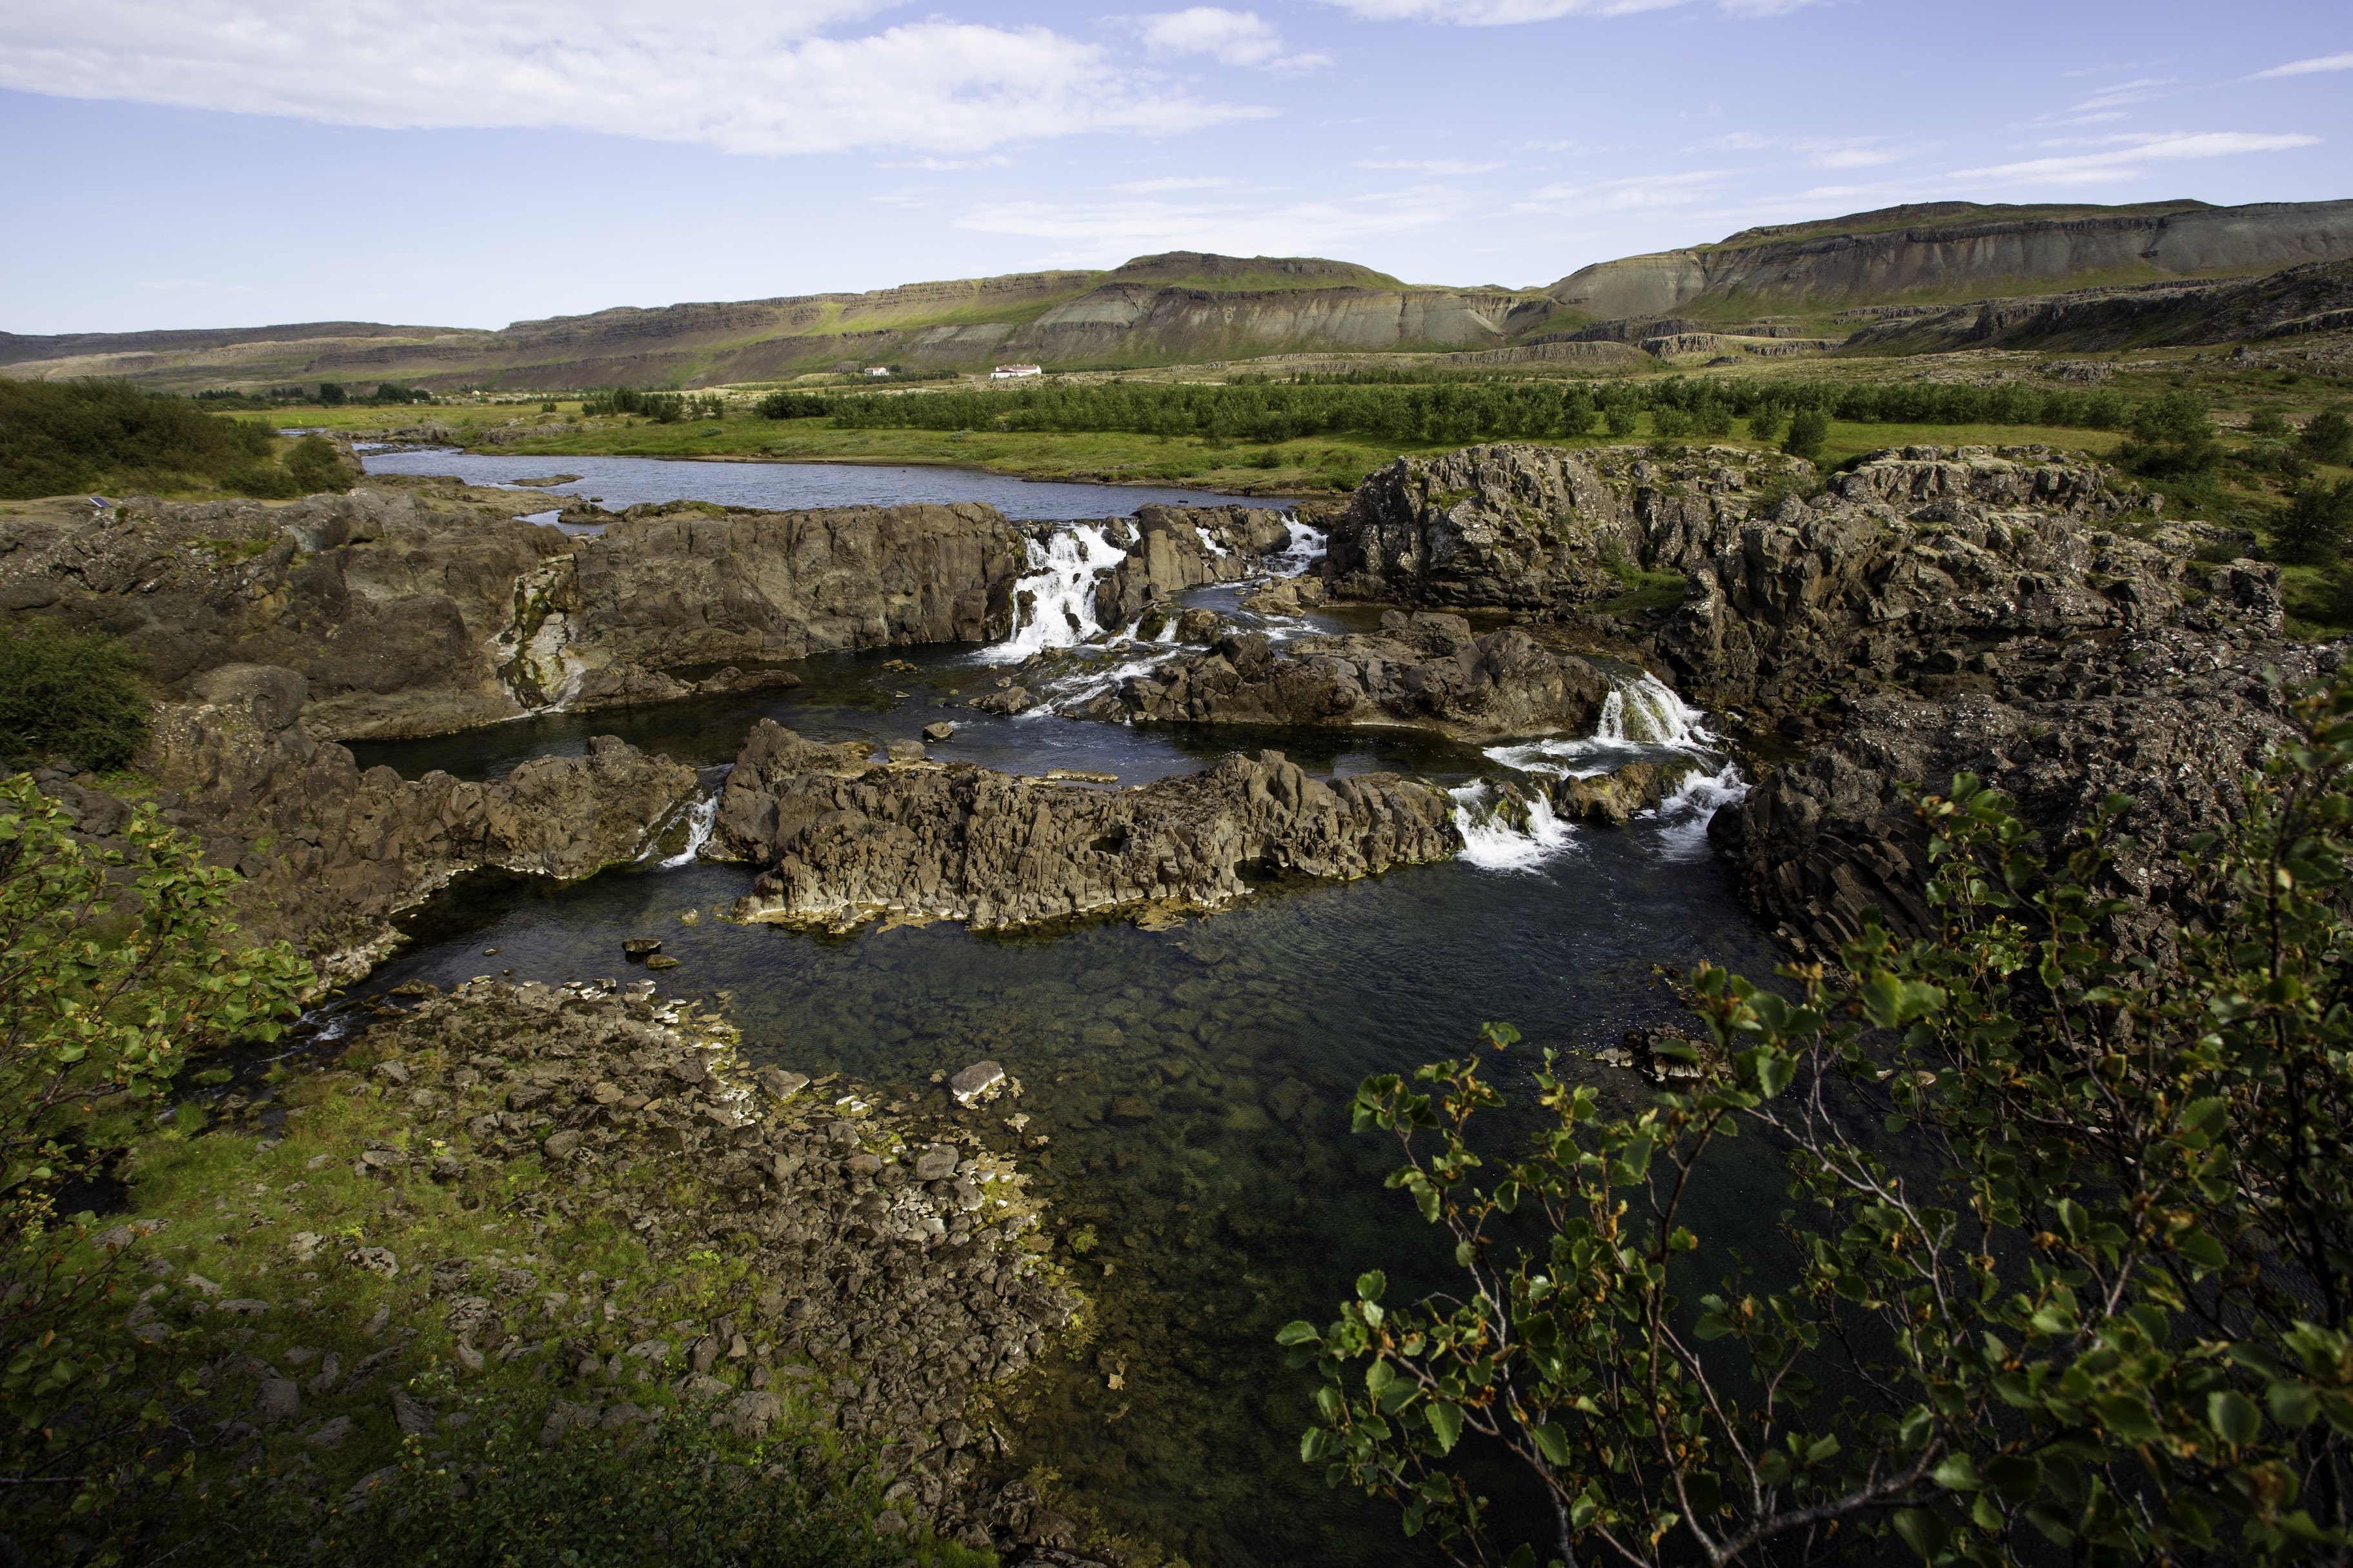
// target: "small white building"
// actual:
[[878, 370], [1014, 372]]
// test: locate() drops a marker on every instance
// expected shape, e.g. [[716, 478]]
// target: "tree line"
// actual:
[[1440, 413]]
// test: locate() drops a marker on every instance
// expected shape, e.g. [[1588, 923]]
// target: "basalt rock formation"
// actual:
[[2003, 612], [845, 842], [429, 607], [1426, 669], [1171, 549], [329, 853]]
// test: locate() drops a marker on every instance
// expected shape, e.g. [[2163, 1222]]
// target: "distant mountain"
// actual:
[[1786, 289], [1950, 251]]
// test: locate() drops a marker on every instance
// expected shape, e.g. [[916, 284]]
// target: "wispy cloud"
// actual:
[[1689, 187], [1822, 151], [1230, 38], [746, 76], [1428, 165], [1510, 12], [2136, 91], [1173, 183], [2123, 156], [2307, 68], [1088, 233]]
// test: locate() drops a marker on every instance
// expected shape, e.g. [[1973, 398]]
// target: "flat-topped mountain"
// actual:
[[1949, 251], [1190, 306]]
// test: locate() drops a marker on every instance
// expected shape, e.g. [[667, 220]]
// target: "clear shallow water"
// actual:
[[624, 481], [1192, 1083]]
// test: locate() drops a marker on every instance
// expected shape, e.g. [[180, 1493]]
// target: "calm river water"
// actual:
[[1193, 1082]]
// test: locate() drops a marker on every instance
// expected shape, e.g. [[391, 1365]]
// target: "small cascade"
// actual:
[[1306, 548], [1061, 586], [1211, 542], [700, 816], [1640, 714], [1683, 817], [1505, 831]]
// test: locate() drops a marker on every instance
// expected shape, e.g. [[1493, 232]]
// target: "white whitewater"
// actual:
[[1492, 842], [700, 817], [1062, 584], [1306, 548], [1639, 715], [1683, 816]]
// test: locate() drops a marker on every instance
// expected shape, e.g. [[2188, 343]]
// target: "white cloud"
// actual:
[[2139, 91], [2124, 156], [747, 76], [1231, 37], [1175, 183], [1090, 232], [2306, 68], [1822, 152], [1428, 165], [1495, 12], [1510, 12], [1636, 191]]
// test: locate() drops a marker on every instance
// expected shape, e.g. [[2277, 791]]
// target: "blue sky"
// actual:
[[469, 163]]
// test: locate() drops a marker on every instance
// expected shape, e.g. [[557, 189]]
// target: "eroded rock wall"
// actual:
[[845, 842]]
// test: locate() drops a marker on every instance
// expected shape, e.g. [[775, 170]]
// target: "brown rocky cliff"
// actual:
[[846, 844]]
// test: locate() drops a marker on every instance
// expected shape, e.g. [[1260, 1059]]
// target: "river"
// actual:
[[1192, 1083]]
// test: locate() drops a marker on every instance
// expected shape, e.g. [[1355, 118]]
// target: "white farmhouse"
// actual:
[[1013, 371]]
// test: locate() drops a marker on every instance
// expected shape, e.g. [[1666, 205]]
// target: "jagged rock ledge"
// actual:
[[846, 841], [885, 1273]]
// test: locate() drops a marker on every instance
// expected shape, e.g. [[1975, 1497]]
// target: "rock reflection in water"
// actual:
[[1191, 1085]]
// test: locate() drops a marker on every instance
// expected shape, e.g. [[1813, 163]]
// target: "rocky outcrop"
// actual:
[[846, 842], [428, 608], [2171, 719], [1427, 669], [2292, 302], [1524, 527], [387, 600], [885, 1277], [330, 852], [1170, 548]]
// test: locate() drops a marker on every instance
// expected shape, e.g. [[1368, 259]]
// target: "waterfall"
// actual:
[[1683, 817], [1210, 541], [1493, 842], [1061, 585], [700, 818], [1306, 548], [1640, 713]]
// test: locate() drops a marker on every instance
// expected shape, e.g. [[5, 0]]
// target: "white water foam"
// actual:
[[1062, 584], [1492, 842], [1210, 541], [1306, 547], [699, 819], [1683, 817], [1642, 714]]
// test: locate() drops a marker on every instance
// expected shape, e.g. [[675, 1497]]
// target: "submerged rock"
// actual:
[[846, 841]]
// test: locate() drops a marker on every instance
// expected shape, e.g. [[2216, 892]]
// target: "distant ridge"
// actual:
[[1776, 289]]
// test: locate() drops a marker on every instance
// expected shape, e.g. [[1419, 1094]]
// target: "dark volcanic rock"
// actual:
[[331, 852], [1425, 669], [848, 842]]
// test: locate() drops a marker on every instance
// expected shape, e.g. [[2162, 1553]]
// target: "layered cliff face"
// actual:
[[416, 612], [330, 852], [1955, 250], [844, 842]]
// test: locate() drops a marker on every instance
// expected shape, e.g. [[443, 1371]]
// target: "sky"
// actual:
[[473, 163]]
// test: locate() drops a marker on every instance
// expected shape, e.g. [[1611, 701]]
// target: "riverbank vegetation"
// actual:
[[2063, 1268], [69, 696], [217, 1371], [60, 437]]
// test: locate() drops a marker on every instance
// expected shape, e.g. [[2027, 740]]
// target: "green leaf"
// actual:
[[1551, 1441], [1370, 1284], [2233, 1416], [1923, 1530], [1445, 1425], [2126, 1418], [2292, 1404], [2016, 1476], [1298, 1333], [1958, 1473]]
